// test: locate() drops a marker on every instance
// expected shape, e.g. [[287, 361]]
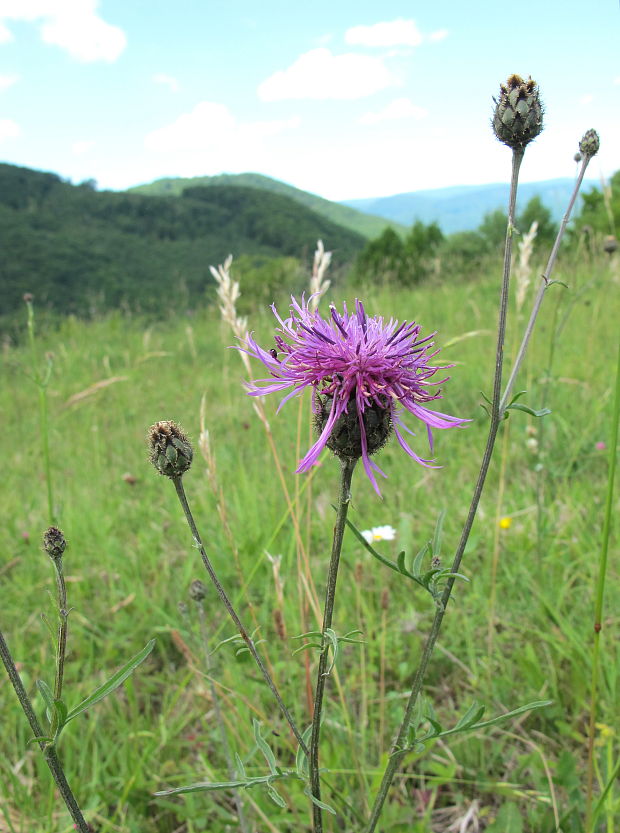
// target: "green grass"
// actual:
[[130, 561]]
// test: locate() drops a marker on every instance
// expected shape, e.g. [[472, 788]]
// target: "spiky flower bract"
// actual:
[[363, 371], [518, 114]]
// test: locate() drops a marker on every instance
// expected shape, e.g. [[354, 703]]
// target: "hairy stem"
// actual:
[[48, 750], [63, 614], [399, 749], [178, 484], [347, 466]]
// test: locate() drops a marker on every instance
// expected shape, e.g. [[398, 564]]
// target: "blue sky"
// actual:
[[344, 99]]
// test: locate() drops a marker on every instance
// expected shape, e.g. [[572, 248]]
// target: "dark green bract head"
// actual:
[[518, 116], [345, 439], [170, 450]]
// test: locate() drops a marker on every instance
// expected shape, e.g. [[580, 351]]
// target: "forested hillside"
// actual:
[[82, 251], [359, 221]]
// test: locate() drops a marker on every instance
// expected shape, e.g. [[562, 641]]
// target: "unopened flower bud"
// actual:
[[610, 244], [518, 116], [54, 542], [170, 450], [197, 590], [590, 143], [28, 297], [578, 157]]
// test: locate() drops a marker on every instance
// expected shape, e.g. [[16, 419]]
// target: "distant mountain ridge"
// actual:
[[361, 222], [462, 207]]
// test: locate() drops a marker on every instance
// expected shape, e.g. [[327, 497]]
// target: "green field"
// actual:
[[519, 631]]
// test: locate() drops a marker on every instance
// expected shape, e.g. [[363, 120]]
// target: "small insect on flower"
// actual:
[[379, 533], [362, 370]]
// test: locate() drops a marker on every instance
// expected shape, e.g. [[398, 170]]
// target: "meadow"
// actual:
[[519, 630]]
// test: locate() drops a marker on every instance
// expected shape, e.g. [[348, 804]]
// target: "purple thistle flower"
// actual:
[[362, 372]]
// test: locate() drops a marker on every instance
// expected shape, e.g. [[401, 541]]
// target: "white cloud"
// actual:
[[79, 148], [9, 129], [588, 98], [7, 81], [617, 80], [320, 75], [73, 25], [400, 108], [212, 128], [399, 32], [167, 81], [440, 34]]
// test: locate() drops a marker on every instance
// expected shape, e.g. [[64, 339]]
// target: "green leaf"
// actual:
[[473, 714], [301, 759], [518, 406], [400, 561], [473, 727], [318, 803], [436, 545], [416, 567], [264, 748], [331, 635], [48, 699], [275, 796], [113, 683], [203, 786]]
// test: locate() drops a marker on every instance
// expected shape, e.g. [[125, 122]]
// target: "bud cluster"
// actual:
[[518, 116], [170, 450]]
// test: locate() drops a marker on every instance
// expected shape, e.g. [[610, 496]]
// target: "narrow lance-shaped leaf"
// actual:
[[113, 683]]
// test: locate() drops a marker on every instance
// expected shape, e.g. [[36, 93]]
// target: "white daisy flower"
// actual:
[[379, 533]]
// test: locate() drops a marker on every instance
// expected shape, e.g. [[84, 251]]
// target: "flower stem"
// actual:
[[178, 484], [49, 750], [347, 466], [399, 748], [600, 590], [544, 285], [63, 614]]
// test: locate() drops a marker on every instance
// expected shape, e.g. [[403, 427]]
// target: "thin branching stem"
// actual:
[[347, 465], [544, 285], [399, 749], [600, 591], [48, 749], [178, 484]]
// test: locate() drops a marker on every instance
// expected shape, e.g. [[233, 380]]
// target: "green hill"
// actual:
[[368, 225], [81, 251]]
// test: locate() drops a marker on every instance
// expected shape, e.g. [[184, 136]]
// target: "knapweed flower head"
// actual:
[[363, 372]]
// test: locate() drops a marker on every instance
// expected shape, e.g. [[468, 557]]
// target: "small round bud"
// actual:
[[197, 590], [170, 451], [345, 439], [28, 297], [578, 157], [54, 542], [518, 115], [590, 143], [610, 244]]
